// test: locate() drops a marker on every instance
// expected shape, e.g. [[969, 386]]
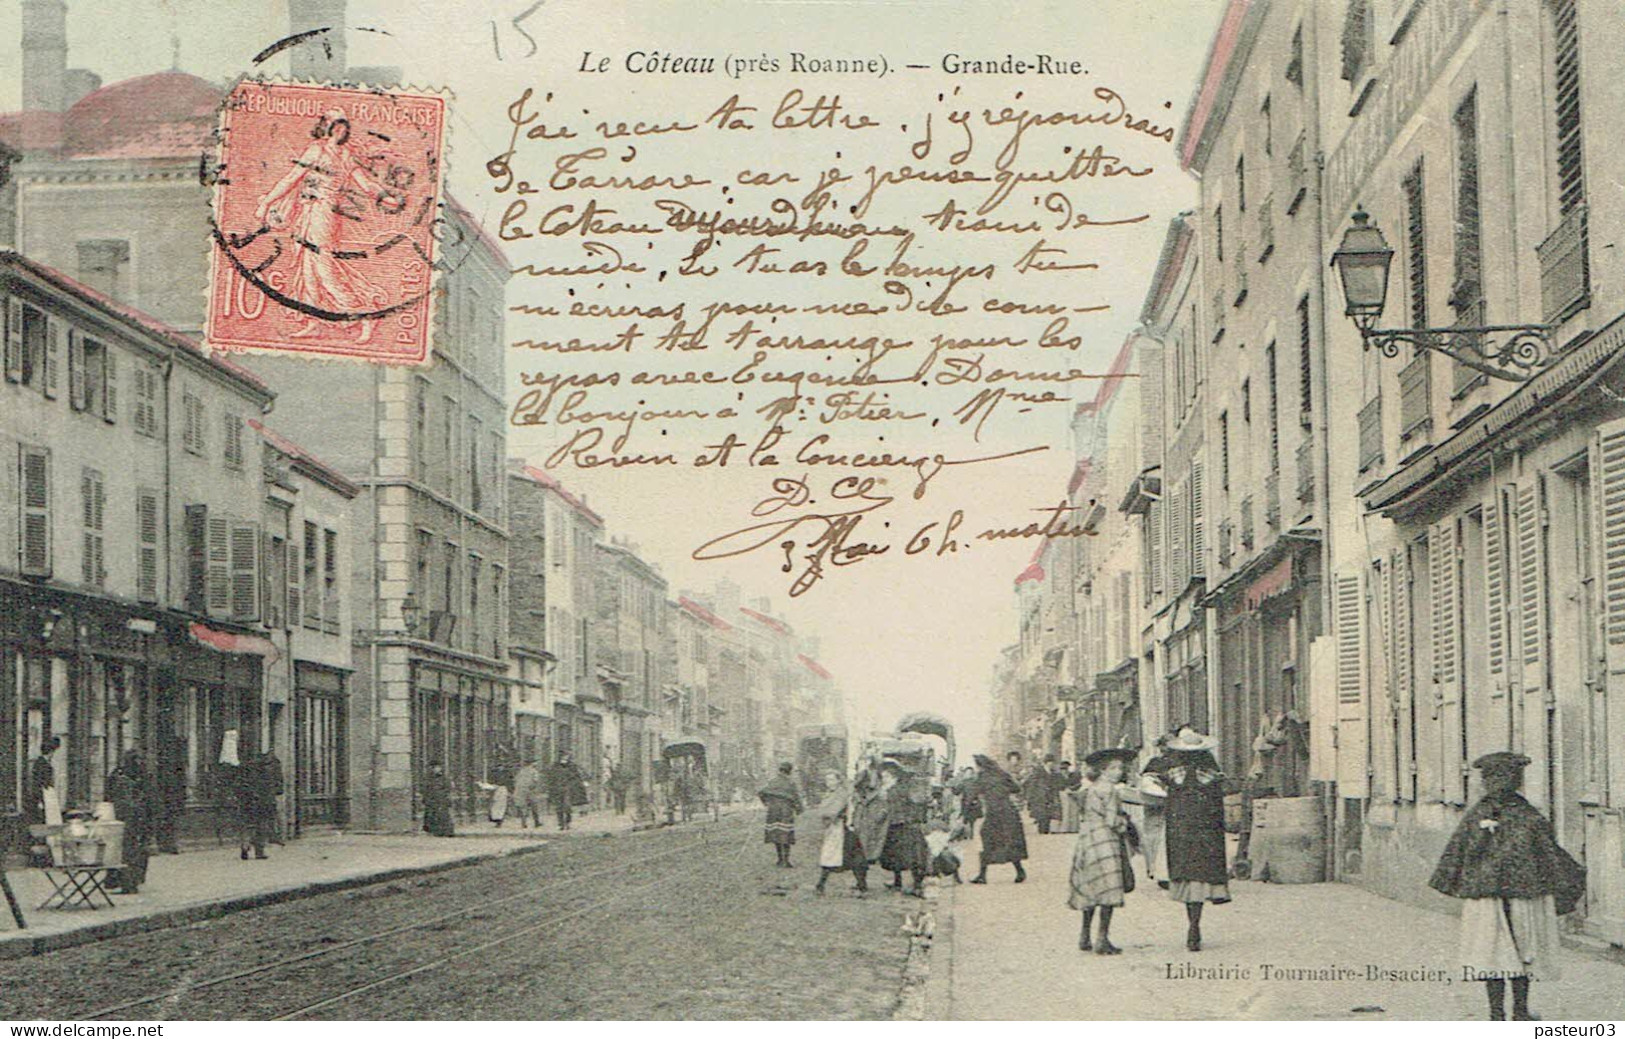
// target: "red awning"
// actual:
[[1274, 581], [226, 642]]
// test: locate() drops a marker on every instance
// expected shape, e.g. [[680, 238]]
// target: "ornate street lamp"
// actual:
[[1515, 353]]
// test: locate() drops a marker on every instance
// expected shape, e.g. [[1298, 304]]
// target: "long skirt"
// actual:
[[1153, 842], [1003, 837], [905, 849], [1199, 891], [841, 849], [1097, 868], [1511, 937]]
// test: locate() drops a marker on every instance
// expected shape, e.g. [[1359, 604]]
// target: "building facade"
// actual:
[[132, 607]]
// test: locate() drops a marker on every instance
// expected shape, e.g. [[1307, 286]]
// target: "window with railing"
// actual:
[[1565, 270], [1272, 501], [1247, 533], [1306, 471], [1266, 229], [1467, 292], [1370, 434], [1227, 542], [1297, 175]]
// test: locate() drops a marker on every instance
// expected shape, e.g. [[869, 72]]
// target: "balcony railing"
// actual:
[[1247, 523], [1463, 378], [1272, 501], [1306, 472], [330, 614], [1370, 423], [1227, 543], [1565, 269], [1416, 397]]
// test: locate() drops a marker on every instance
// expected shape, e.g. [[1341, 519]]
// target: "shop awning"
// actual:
[[227, 642], [1275, 580]]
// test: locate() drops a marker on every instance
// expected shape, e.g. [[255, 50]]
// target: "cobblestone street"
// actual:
[[687, 922], [1013, 954]]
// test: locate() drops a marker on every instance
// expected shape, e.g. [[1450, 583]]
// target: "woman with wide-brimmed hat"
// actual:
[[1194, 813], [1514, 880], [1099, 878], [1003, 837]]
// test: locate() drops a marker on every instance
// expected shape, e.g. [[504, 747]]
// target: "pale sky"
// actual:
[[898, 638]]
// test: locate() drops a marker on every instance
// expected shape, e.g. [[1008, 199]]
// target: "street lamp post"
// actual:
[[1515, 353]]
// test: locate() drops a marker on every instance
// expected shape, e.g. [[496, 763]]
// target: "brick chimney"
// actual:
[[321, 57], [45, 67]]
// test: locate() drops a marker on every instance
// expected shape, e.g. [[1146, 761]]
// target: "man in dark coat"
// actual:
[[41, 777], [1515, 880], [132, 794], [566, 789], [259, 783], [1043, 791], [437, 821], [1003, 837], [170, 779]]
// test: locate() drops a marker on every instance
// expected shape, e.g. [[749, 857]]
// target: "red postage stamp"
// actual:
[[326, 203]]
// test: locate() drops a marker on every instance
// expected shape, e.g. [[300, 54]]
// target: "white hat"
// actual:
[[1191, 740]]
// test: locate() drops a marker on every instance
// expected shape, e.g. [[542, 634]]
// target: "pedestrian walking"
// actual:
[[1153, 813], [1003, 837], [566, 789], [437, 821], [841, 851], [132, 794], [970, 805], [1515, 880], [1100, 873], [783, 803], [527, 795], [259, 784], [171, 781], [1194, 811], [41, 777], [1043, 792], [502, 772], [907, 806]]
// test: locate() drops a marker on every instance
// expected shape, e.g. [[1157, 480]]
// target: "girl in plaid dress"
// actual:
[[1097, 860]]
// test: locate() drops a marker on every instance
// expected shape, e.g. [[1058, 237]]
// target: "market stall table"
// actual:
[[77, 886]]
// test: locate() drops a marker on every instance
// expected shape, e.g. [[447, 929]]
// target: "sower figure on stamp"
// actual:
[[1515, 880], [312, 200]]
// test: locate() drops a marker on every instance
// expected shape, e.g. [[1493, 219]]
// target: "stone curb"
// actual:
[[21, 945], [926, 928]]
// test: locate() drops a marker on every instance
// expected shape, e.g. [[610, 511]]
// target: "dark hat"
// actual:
[[1501, 761], [1099, 758]]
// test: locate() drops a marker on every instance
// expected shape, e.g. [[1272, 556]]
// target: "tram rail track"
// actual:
[[471, 911]]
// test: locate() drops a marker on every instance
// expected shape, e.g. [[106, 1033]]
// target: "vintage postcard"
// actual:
[[805, 510]]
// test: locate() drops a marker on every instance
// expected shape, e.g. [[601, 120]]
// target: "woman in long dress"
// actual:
[[1098, 880], [1197, 870], [783, 803], [1003, 837], [905, 849], [841, 849], [437, 803], [1515, 880]]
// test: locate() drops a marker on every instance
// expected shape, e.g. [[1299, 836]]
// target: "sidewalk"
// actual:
[[196, 885], [1012, 954]]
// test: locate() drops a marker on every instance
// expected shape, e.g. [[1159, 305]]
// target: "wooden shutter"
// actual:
[[1198, 524], [219, 566], [14, 340], [1496, 583], [1178, 530], [109, 382], [1349, 615], [34, 478], [1444, 550], [1404, 670], [1530, 509], [93, 564], [296, 562], [146, 525], [1154, 535], [76, 370], [53, 356], [1384, 784], [245, 571], [1608, 503], [197, 558]]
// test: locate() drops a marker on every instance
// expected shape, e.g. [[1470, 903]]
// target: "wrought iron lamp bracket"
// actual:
[[1515, 353]]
